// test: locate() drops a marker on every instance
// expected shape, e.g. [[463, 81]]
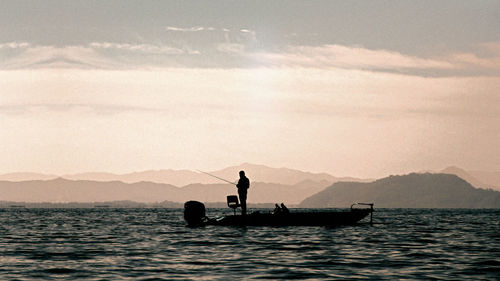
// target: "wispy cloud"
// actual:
[[348, 57], [97, 55], [206, 28], [249, 35], [145, 48], [230, 34], [484, 60], [14, 45], [489, 59], [51, 56], [189, 29], [231, 48], [227, 53]]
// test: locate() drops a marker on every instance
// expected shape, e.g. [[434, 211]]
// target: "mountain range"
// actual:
[[407, 191], [64, 190], [269, 185], [481, 179], [256, 173]]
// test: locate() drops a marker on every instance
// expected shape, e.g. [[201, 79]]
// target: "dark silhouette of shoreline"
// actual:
[[407, 191], [117, 204]]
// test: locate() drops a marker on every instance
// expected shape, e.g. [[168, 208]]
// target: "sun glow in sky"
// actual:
[[332, 86]]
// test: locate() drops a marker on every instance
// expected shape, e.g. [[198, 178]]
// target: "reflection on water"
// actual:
[[147, 244]]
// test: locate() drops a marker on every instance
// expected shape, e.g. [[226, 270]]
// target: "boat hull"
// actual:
[[323, 218]]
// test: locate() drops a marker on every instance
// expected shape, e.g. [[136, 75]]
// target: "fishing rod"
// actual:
[[216, 177]]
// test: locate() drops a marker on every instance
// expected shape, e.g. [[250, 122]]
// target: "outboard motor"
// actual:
[[194, 213]]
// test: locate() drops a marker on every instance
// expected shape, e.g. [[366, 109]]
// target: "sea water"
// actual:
[[155, 244]]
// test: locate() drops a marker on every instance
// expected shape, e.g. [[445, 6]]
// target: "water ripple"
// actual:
[[155, 244]]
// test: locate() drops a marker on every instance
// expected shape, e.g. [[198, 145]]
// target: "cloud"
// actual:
[[484, 60], [145, 48], [489, 58], [58, 57], [231, 48], [14, 45], [348, 57], [240, 52], [230, 35], [96, 55], [189, 29], [249, 35]]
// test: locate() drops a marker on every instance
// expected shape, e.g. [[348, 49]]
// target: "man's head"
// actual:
[[242, 174]]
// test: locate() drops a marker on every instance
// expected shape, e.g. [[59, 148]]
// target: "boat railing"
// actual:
[[365, 204]]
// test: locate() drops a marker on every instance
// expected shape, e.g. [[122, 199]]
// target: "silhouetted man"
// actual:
[[243, 185]]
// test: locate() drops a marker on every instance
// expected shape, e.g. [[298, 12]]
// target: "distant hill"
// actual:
[[464, 175], [107, 204], [490, 179], [479, 179], [173, 177], [25, 177], [120, 204], [258, 193], [408, 191], [63, 190], [256, 173], [261, 173]]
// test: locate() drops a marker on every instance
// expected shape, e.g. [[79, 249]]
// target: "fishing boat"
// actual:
[[195, 215]]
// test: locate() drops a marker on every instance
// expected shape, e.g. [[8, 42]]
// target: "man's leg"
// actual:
[[243, 202]]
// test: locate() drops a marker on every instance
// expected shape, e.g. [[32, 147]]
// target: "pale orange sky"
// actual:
[[339, 105]]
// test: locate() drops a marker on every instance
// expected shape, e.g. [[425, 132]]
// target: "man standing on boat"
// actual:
[[243, 185]]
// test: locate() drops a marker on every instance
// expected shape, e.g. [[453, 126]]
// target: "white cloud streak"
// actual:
[[231, 48], [14, 45], [348, 57], [189, 29], [489, 61], [58, 57], [109, 55], [97, 55], [145, 48]]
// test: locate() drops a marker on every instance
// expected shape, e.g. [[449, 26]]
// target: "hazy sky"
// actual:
[[360, 88]]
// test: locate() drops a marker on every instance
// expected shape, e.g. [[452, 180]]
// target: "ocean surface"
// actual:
[[155, 244]]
